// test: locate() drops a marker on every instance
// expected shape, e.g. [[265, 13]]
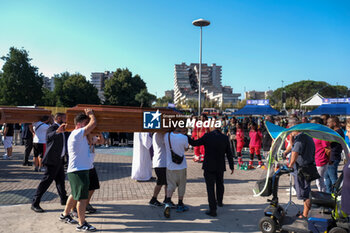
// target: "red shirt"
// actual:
[[321, 158], [255, 138], [240, 136]]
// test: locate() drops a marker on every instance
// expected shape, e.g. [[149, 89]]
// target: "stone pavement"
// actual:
[[123, 203]]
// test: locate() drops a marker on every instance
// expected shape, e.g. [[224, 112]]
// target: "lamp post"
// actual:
[[200, 23]]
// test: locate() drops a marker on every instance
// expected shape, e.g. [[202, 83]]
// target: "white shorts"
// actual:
[[7, 142]]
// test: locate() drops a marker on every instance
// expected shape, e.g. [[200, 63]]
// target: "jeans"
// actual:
[[331, 175]]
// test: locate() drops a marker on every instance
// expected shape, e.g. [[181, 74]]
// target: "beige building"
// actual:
[[257, 95], [98, 80], [186, 84]]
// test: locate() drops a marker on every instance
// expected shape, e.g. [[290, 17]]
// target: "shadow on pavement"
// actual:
[[22, 196]]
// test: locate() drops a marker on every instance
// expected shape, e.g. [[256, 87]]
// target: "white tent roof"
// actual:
[[315, 100]]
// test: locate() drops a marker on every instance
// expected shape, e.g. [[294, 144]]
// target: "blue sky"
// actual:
[[257, 42]]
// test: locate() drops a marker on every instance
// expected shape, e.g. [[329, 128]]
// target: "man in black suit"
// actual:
[[53, 160], [216, 145]]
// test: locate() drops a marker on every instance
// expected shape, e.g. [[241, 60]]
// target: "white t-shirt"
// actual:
[[78, 152], [159, 155], [40, 129], [179, 143]]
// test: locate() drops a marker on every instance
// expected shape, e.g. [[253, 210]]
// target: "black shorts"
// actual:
[[94, 182], [39, 149], [302, 187], [161, 175]]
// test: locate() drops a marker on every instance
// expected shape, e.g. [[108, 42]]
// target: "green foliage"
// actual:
[[163, 102], [71, 90], [122, 88], [241, 104], [145, 98], [300, 91], [48, 98], [20, 83]]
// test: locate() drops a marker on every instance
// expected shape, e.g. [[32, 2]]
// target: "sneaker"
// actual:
[[42, 169], [36, 169], [155, 203], [167, 210], [86, 227], [90, 209], [67, 219], [181, 208], [259, 166], [172, 205], [5, 157], [251, 167]]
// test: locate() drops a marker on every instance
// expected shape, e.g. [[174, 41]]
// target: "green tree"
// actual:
[[77, 90], [122, 88], [48, 98], [300, 91], [163, 102], [145, 98], [59, 80], [20, 83]]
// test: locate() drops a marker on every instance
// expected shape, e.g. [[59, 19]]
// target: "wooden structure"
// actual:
[[21, 114], [119, 118]]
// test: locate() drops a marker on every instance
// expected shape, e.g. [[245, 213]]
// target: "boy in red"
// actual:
[[240, 141], [197, 133], [255, 145]]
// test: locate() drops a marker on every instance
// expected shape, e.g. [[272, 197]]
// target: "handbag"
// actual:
[[175, 157], [308, 172]]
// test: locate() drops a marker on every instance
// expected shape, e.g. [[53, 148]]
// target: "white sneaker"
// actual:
[[42, 169], [5, 157], [259, 166]]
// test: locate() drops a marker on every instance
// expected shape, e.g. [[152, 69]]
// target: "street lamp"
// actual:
[[200, 23]]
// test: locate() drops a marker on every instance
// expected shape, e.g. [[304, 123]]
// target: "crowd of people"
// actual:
[[165, 152]]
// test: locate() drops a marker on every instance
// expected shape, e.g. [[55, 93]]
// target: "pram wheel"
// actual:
[[338, 230], [267, 225]]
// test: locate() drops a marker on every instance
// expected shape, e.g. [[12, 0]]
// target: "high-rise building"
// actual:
[[49, 83], [98, 80], [186, 84], [170, 94]]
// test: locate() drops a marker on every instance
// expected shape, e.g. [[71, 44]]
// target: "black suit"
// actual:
[[54, 165], [216, 145]]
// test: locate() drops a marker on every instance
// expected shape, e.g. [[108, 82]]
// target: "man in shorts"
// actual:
[[80, 162], [159, 165], [39, 142], [303, 154], [7, 140], [176, 174]]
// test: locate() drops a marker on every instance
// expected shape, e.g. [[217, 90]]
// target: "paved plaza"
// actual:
[[123, 203]]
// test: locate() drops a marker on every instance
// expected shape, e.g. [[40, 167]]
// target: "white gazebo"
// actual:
[[315, 100]]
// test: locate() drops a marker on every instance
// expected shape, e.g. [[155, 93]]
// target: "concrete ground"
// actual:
[[123, 203]]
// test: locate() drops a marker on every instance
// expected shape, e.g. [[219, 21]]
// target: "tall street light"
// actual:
[[200, 23]]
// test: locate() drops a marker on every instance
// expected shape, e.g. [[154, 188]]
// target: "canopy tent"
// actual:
[[313, 130], [331, 109], [256, 110], [315, 100]]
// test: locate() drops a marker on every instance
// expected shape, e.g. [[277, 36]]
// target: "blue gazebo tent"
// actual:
[[331, 109], [256, 110]]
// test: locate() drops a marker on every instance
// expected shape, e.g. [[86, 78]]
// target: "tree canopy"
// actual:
[[145, 98], [74, 89], [121, 89], [20, 83]]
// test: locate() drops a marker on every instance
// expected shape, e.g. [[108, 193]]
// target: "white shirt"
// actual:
[[141, 160], [179, 143], [78, 152], [159, 150], [40, 129]]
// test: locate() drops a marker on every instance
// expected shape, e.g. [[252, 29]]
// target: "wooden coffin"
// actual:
[[22, 115], [119, 118]]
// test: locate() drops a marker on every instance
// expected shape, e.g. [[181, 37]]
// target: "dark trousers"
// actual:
[[28, 145], [212, 178], [52, 173]]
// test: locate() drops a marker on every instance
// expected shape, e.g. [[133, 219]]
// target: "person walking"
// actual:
[[335, 157], [79, 164], [159, 164], [216, 146], [176, 143], [39, 142], [27, 138], [53, 162], [8, 130], [255, 145]]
